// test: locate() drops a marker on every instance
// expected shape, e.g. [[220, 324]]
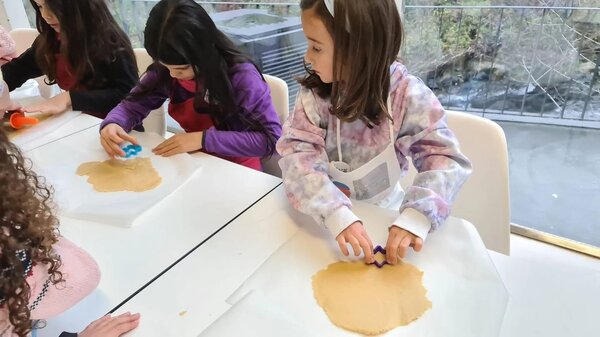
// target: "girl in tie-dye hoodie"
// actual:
[[357, 118]]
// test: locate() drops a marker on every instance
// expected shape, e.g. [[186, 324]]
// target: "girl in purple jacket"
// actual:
[[215, 93]]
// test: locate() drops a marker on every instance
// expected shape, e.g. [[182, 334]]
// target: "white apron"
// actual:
[[377, 181]]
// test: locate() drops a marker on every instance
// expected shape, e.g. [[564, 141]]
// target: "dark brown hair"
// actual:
[[89, 37], [28, 229], [367, 37]]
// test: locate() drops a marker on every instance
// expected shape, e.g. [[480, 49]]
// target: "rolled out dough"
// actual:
[[369, 300], [114, 175]]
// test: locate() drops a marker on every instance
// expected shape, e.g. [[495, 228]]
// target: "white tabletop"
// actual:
[[129, 258], [548, 297], [50, 130], [71, 123], [264, 259]]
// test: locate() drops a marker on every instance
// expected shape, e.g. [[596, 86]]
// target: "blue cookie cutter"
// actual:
[[131, 150]]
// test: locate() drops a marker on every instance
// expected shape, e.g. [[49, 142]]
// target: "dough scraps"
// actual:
[[369, 300], [114, 175]]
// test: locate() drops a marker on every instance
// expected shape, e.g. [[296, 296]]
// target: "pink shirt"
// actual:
[[80, 277]]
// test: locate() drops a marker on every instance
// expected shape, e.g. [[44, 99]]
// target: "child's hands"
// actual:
[[398, 242], [357, 237], [111, 326], [55, 105], [111, 138], [179, 143]]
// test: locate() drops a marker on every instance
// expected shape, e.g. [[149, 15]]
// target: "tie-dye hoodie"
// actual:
[[308, 144]]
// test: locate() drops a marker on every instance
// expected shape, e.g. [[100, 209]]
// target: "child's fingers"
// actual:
[[100, 321], [124, 319], [113, 142], [127, 326], [107, 145], [367, 247], [418, 244], [172, 152], [160, 147], [125, 136], [160, 150], [391, 249], [341, 240], [354, 243], [406, 240]]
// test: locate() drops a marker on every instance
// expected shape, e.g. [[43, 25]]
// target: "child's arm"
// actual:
[[253, 96], [425, 137], [121, 76], [20, 69], [305, 166], [129, 113]]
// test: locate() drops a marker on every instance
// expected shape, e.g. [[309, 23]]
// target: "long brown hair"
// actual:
[[28, 229], [367, 37], [89, 37]]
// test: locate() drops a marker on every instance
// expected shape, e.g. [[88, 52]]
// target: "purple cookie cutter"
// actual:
[[381, 250]]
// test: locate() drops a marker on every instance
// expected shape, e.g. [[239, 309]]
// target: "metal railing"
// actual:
[[529, 63]]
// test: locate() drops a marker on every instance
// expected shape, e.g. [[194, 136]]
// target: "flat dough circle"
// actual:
[[369, 300], [114, 175]]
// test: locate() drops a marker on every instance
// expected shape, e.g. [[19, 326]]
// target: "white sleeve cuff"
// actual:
[[340, 219], [413, 221]]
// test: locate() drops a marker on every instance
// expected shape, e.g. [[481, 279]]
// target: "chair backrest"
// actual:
[[280, 97], [143, 59], [157, 120], [23, 38], [484, 199]]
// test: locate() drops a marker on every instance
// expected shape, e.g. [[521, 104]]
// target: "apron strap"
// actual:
[[390, 123]]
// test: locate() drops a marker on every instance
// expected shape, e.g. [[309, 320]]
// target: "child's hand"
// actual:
[[55, 105], [111, 326], [111, 138], [179, 143], [357, 237], [398, 242]]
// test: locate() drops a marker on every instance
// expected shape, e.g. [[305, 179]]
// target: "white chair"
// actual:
[[156, 121], [484, 199], [24, 38], [280, 97]]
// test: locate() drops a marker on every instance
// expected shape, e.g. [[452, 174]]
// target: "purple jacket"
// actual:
[[251, 94]]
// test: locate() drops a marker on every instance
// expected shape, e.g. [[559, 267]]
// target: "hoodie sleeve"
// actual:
[[442, 169], [305, 167]]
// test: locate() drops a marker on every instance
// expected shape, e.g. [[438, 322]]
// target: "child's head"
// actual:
[[27, 232], [351, 45], [96, 36], [181, 36]]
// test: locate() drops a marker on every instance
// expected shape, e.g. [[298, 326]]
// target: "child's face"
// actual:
[[320, 46], [183, 72], [48, 15]]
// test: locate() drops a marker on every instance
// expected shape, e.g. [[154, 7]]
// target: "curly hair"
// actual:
[[27, 229]]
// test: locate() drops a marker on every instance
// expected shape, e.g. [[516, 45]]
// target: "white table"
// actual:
[[265, 252], [62, 126], [548, 298], [76, 124], [129, 258]]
